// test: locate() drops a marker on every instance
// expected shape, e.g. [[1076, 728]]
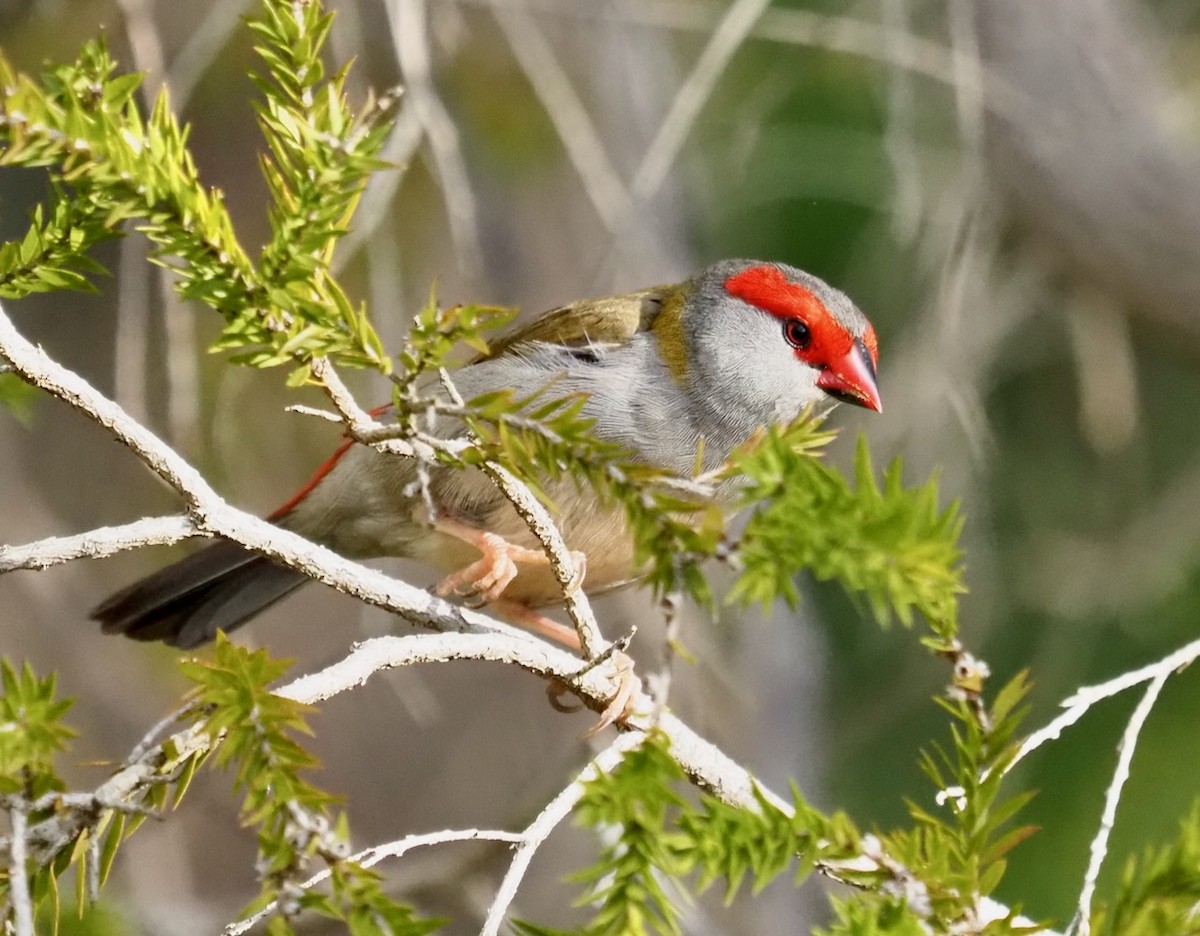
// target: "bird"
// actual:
[[678, 376]]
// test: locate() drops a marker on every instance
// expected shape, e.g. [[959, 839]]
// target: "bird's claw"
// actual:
[[620, 706], [579, 562], [484, 580]]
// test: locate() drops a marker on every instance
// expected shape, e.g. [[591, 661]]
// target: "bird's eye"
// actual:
[[796, 333]]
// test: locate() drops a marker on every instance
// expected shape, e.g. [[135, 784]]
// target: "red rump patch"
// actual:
[[319, 475], [765, 287]]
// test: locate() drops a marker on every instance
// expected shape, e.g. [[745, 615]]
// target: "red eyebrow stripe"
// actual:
[[766, 288]]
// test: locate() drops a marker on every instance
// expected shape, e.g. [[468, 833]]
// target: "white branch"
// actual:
[[214, 515], [1082, 925], [18, 879], [465, 634], [362, 426], [547, 821], [370, 857], [1081, 702], [707, 766], [98, 543]]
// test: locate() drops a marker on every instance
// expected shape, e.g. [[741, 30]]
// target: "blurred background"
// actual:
[[1009, 188]]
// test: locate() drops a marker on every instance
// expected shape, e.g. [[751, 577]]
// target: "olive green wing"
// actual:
[[611, 320]]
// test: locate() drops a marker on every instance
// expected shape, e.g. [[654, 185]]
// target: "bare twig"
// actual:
[[18, 879], [565, 569], [98, 543], [364, 428], [370, 857], [213, 515], [1082, 925], [1082, 701], [547, 821], [465, 634]]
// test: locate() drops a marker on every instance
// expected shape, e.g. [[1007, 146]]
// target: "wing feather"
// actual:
[[611, 320]]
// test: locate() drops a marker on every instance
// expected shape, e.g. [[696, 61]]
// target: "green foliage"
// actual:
[[53, 253], [82, 121], [98, 919], [258, 731], [890, 544], [893, 547], [663, 837], [31, 732], [962, 857], [436, 333], [858, 918], [928, 878], [1159, 890]]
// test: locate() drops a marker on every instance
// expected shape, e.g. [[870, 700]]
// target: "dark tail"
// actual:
[[218, 588]]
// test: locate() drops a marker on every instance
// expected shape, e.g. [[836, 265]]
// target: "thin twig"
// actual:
[[547, 821], [465, 634], [18, 878], [1082, 925], [363, 427], [370, 857], [98, 543], [1078, 704]]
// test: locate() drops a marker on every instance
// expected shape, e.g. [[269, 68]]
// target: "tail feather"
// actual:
[[218, 588]]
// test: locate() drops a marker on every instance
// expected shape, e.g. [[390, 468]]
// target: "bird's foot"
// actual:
[[620, 706], [484, 580]]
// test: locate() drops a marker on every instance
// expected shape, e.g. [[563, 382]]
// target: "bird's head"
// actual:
[[770, 339]]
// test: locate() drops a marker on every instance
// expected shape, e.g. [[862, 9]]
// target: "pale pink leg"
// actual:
[[488, 576], [620, 706], [526, 617]]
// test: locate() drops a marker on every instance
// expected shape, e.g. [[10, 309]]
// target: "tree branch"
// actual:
[[1082, 925], [369, 857], [547, 821], [98, 543]]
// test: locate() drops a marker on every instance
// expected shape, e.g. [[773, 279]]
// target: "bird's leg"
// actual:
[[487, 577], [628, 684], [516, 613]]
